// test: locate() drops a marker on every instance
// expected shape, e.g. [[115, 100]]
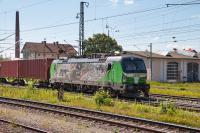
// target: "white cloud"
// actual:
[[172, 46], [155, 38], [197, 16], [128, 2], [178, 46], [114, 1]]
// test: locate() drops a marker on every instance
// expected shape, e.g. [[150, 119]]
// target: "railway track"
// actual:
[[157, 99], [186, 103], [163, 96], [124, 122], [26, 127]]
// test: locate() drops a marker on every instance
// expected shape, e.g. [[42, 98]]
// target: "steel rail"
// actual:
[[182, 106], [175, 97], [185, 106], [23, 126], [156, 103], [113, 119]]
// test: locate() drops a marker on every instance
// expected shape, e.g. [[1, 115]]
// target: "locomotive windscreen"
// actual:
[[133, 65]]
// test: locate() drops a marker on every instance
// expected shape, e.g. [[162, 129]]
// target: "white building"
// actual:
[[174, 66]]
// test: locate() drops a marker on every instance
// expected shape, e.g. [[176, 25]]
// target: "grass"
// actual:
[[177, 89], [163, 113]]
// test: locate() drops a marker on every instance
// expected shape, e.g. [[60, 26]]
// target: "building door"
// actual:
[[192, 72], [172, 71]]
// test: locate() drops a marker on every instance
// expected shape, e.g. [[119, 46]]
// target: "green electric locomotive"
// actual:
[[121, 75]]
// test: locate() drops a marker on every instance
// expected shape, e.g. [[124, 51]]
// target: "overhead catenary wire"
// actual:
[[95, 19], [24, 7], [184, 4], [146, 33], [164, 42], [127, 25], [100, 18], [7, 37], [155, 31], [163, 34], [9, 47], [89, 20]]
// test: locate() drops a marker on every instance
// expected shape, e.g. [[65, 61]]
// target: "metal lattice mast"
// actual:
[[81, 27]]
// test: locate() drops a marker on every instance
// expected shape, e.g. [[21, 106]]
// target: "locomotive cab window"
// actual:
[[109, 66], [132, 65]]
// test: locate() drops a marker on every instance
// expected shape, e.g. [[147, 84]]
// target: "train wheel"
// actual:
[[114, 93], [79, 88], [21, 82], [3, 80], [145, 93], [56, 85]]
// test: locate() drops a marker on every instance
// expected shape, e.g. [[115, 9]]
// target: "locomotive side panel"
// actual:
[[79, 72]]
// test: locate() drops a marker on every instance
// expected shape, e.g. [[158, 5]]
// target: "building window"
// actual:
[[38, 54], [172, 71]]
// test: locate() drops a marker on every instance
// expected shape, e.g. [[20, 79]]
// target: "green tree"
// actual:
[[101, 43]]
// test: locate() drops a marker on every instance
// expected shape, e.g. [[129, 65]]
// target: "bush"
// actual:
[[167, 108], [31, 84], [103, 97]]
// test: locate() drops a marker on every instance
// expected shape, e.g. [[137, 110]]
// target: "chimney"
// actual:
[[17, 36], [175, 50]]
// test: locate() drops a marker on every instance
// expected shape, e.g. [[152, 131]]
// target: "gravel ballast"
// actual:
[[50, 122]]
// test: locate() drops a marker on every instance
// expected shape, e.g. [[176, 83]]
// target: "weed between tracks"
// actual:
[[177, 89], [166, 113]]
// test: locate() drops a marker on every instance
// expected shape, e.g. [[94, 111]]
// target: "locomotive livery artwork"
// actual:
[[120, 75]]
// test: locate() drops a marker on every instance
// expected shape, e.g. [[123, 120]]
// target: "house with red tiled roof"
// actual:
[[171, 66], [35, 50]]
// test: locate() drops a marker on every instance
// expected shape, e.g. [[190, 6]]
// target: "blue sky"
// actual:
[[134, 31]]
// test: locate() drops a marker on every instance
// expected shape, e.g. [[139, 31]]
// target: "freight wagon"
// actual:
[[25, 69]]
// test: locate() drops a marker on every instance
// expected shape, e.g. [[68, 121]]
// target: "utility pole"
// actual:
[[151, 62], [17, 36], [107, 27], [107, 44], [81, 27]]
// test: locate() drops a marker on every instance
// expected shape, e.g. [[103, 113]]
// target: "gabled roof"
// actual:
[[145, 54], [169, 55], [49, 48], [174, 54]]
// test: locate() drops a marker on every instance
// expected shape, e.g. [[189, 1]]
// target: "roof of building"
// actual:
[[169, 55], [145, 54], [49, 48]]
